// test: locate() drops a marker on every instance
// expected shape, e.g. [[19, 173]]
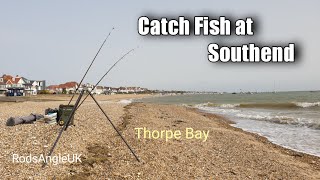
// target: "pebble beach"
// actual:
[[227, 153]]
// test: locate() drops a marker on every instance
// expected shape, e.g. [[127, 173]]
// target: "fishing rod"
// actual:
[[65, 126], [90, 66], [106, 75], [79, 98], [77, 105]]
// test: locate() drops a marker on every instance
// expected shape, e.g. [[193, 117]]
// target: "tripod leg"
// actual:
[[65, 126], [114, 127]]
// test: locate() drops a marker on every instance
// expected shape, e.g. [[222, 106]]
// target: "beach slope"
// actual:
[[227, 153]]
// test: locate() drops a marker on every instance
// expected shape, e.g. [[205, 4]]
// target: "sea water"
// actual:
[[289, 119]]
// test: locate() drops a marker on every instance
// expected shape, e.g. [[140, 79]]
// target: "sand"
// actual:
[[228, 152]]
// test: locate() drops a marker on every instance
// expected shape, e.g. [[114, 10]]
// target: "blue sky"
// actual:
[[56, 40]]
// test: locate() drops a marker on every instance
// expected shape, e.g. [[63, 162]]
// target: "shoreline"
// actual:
[[238, 148], [227, 124], [230, 122], [291, 136]]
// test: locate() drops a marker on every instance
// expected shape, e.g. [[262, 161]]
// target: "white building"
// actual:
[[20, 86]]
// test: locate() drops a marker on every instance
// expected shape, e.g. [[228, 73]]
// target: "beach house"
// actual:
[[98, 90], [32, 87], [20, 86], [3, 87], [131, 90], [66, 88], [13, 85]]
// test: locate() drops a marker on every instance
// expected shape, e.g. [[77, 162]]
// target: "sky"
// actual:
[[56, 41]]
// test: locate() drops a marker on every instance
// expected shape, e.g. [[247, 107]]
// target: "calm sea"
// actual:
[[289, 119]]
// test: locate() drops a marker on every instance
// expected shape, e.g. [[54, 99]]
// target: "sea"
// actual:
[[288, 119]]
